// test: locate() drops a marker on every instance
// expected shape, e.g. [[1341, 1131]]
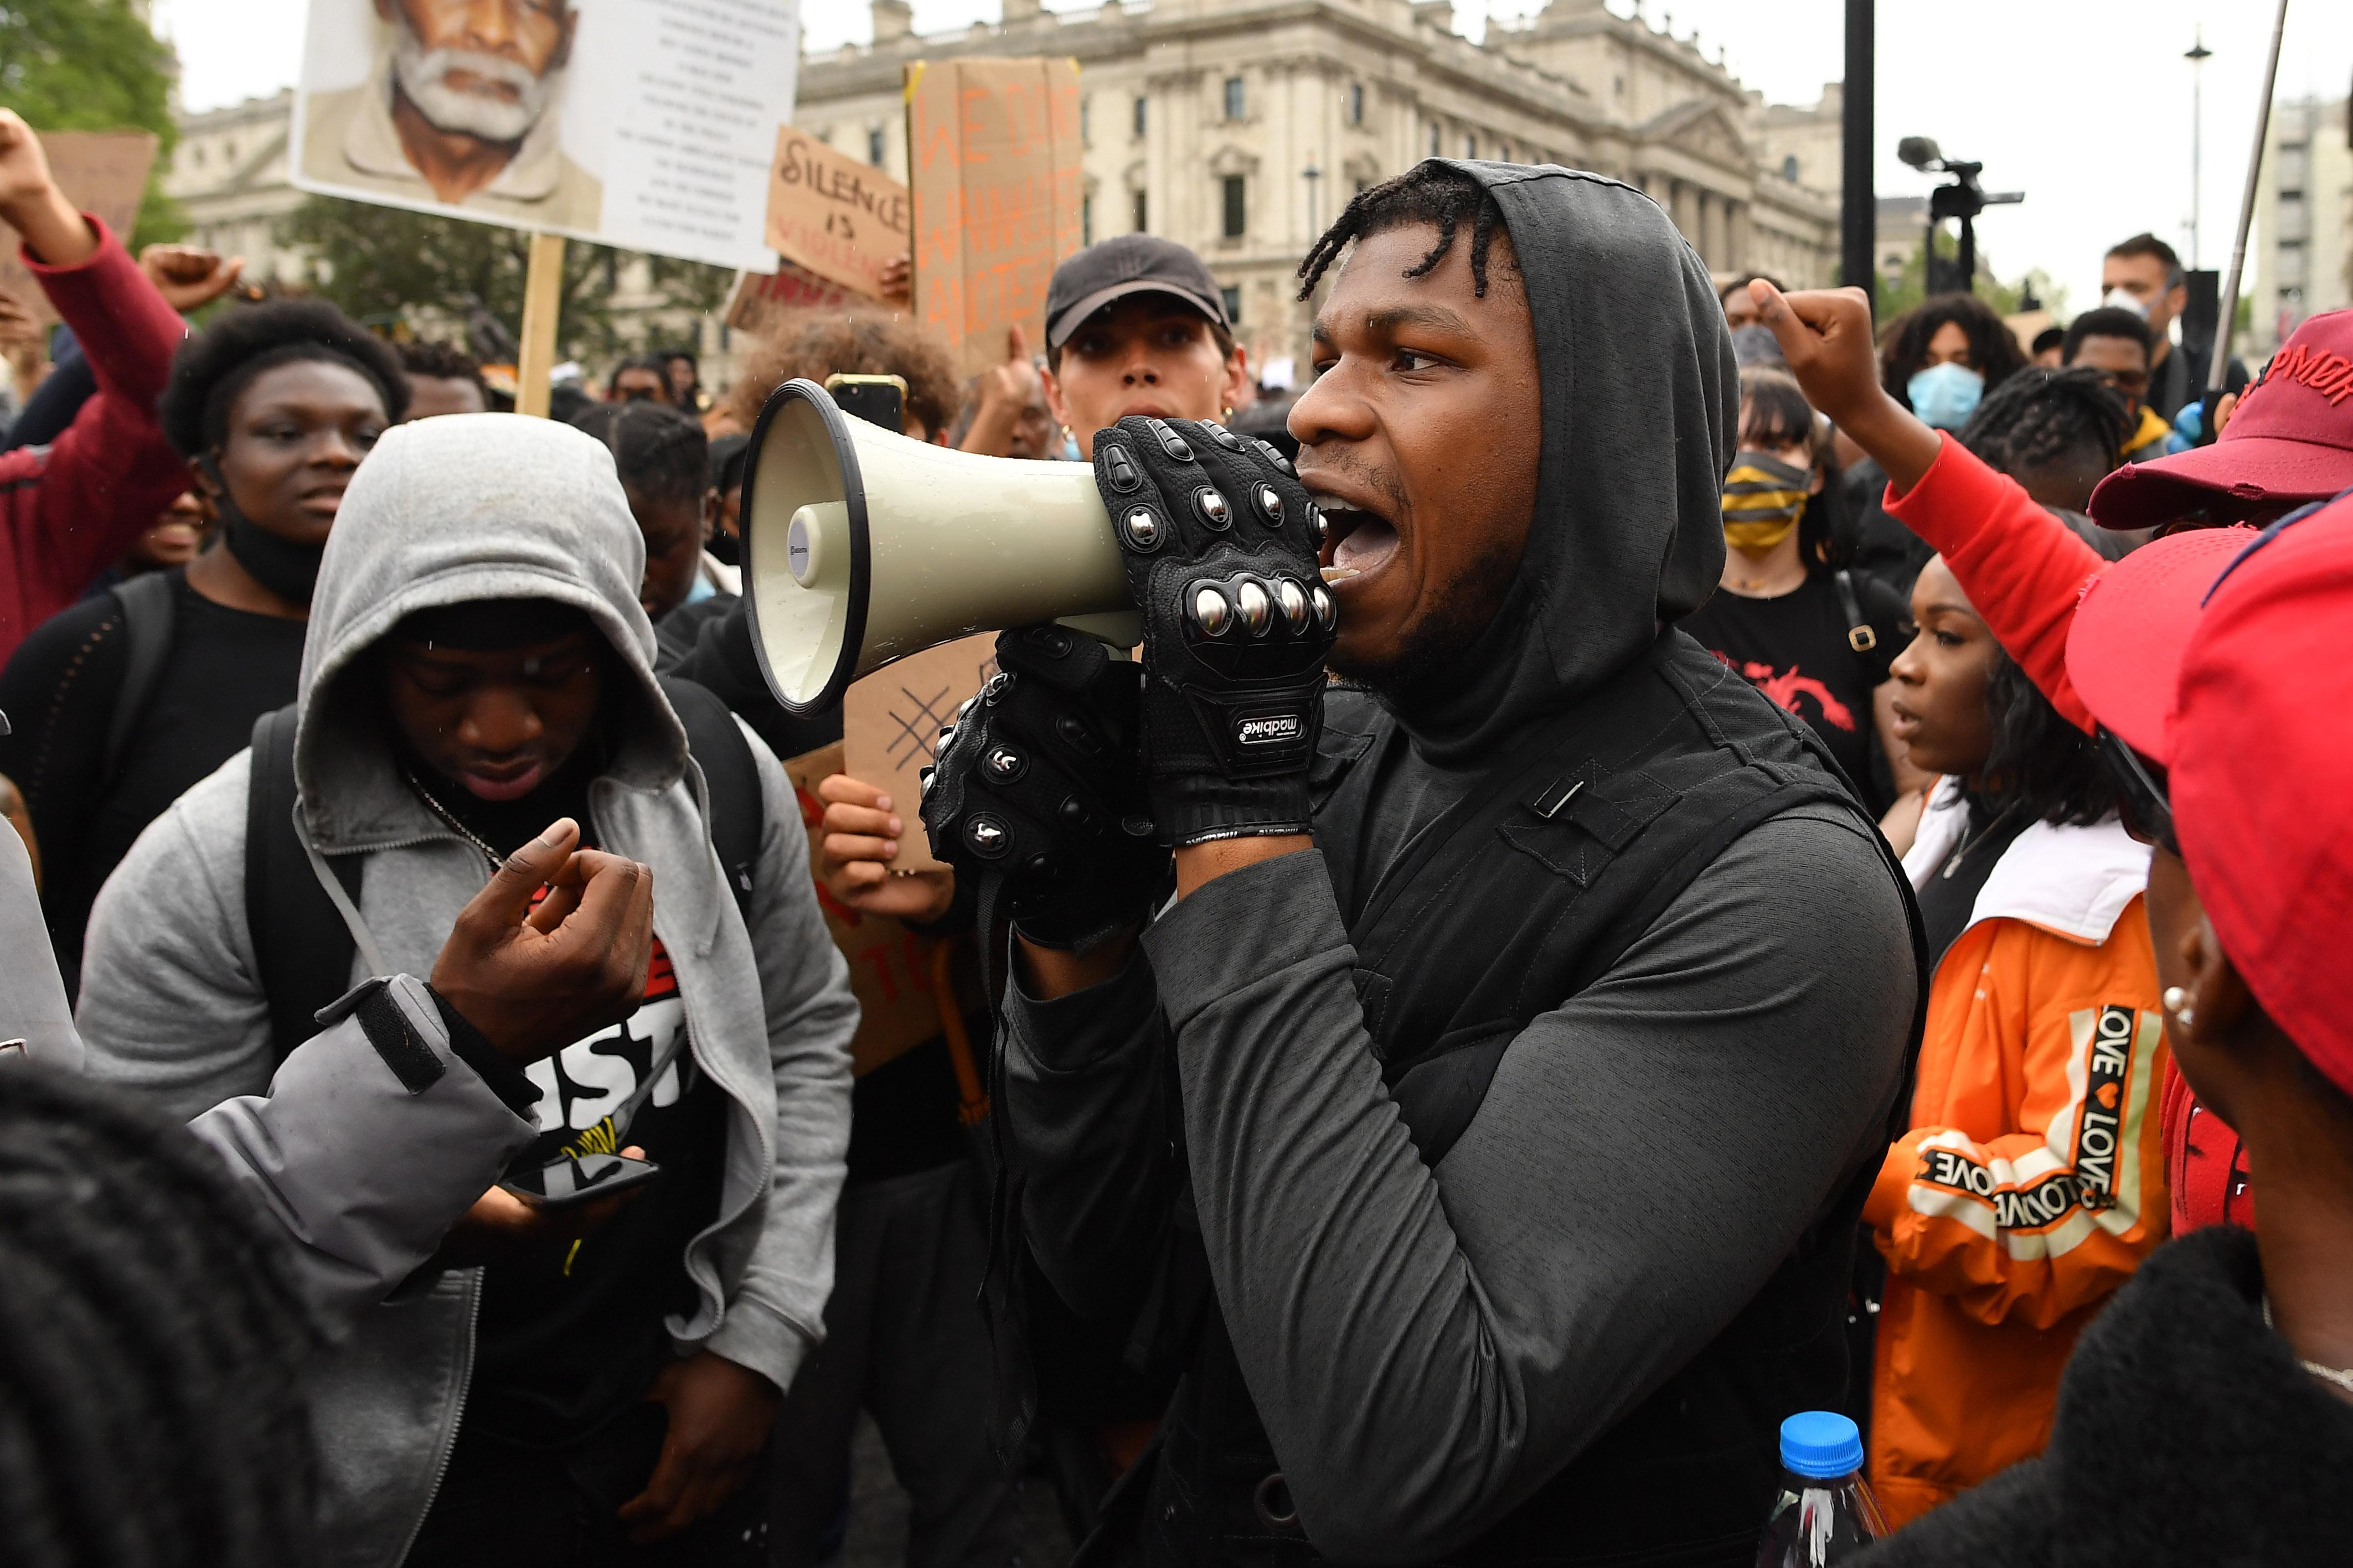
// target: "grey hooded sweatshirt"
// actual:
[[1428, 1346], [444, 511]]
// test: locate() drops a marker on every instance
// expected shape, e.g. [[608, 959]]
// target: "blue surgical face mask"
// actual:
[[1945, 394]]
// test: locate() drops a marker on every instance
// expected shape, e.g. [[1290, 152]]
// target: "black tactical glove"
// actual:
[[1220, 543], [1035, 785]]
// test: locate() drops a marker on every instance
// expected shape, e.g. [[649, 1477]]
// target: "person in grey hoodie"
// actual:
[[1484, 1126], [477, 664]]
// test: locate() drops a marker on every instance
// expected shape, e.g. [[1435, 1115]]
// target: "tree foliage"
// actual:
[[1910, 287], [93, 65], [384, 265]]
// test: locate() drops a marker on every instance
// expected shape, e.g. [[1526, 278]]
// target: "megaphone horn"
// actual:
[[862, 546]]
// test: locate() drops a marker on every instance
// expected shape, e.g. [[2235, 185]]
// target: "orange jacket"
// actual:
[[2032, 1181]]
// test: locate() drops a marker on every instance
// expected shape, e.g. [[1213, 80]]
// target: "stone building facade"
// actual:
[[2303, 262], [1240, 127]]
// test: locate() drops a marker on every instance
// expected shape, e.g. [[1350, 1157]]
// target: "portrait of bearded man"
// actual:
[[463, 108]]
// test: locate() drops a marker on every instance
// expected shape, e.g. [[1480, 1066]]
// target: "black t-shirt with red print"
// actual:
[[1794, 649], [570, 1332]]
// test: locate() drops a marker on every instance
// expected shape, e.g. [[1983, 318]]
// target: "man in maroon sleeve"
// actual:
[[68, 509]]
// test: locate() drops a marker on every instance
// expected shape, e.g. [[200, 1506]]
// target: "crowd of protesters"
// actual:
[[405, 818]]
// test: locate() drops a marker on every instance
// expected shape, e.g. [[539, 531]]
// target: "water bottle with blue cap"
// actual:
[[1827, 1513]]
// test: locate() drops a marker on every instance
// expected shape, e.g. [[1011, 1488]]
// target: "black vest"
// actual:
[[1579, 837]]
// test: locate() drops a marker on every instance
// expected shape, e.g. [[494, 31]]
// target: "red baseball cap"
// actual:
[[2124, 648], [2290, 439], [2251, 688]]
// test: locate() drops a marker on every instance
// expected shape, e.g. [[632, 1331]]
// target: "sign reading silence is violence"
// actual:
[[832, 216]]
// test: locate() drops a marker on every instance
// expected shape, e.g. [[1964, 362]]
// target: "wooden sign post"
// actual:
[[993, 160], [543, 301]]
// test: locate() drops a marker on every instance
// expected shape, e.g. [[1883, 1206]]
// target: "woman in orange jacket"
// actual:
[[2031, 1182]]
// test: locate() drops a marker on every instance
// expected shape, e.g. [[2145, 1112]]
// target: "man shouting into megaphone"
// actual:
[[1484, 1125]]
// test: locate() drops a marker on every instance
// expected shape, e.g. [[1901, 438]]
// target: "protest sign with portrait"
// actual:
[[646, 124]]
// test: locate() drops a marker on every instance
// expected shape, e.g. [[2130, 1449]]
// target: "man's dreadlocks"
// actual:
[[2039, 416], [153, 1345], [1431, 193]]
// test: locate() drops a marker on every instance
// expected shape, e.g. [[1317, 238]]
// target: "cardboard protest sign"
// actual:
[[993, 164], [842, 220], [762, 300], [890, 966], [101, 172], [890, 719], [646, 124]]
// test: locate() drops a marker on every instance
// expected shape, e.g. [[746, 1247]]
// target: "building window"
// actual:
[[1233, 299], [1503, 152], [1141, 105], [1141, 210], [1086, 136], [1236, 207], [1433, 141], [1086, 220], [1355, 103], [1471, 144], [1233, 98], [874, 145], [1790, 168]]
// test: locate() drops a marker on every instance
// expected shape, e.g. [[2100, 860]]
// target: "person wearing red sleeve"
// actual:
[[2286, 443], [69, 508]]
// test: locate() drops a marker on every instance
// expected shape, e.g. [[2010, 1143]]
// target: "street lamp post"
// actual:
[[2197, 55]]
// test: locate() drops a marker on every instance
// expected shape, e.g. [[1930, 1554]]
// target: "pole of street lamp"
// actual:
[[1858, 207], [2197, 55]]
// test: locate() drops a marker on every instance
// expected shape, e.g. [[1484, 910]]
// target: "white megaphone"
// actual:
[[862, 546]]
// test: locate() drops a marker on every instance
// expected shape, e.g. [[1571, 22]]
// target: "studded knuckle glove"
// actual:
[[1221, 545], [1035, 785]]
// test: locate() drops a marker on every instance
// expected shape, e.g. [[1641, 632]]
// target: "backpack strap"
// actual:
[[302, 948], [1861, 635], [738, 817], [148, 615]]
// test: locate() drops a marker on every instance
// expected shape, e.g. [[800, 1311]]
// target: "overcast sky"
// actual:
[[2082, 104]]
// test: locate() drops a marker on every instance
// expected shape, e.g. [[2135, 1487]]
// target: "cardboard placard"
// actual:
[[890, 966], [762, 300], [841, 219], [993, 156], [101, 172], [890, 719]]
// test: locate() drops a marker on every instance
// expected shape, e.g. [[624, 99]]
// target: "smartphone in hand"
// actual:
[[578, 1179]]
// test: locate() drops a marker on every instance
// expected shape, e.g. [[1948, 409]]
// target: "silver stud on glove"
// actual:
[[1257, 609], [1211, 612]]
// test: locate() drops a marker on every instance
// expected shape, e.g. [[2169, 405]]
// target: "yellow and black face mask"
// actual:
[[1763, 498]]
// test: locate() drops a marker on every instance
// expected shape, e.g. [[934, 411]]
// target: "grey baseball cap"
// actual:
[[1127, 264]]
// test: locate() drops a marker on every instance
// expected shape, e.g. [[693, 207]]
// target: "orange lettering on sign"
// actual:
[[1000, 207]]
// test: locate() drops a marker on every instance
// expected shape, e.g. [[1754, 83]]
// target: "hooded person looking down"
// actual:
[[1485, 1125], [477, 666]]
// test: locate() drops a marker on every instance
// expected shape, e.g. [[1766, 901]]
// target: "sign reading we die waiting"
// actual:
[[834, 215]]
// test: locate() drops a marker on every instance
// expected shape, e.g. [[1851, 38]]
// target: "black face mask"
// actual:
[[286, 569]]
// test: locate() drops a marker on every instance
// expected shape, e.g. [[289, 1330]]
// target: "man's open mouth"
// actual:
[[1358, 542]]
